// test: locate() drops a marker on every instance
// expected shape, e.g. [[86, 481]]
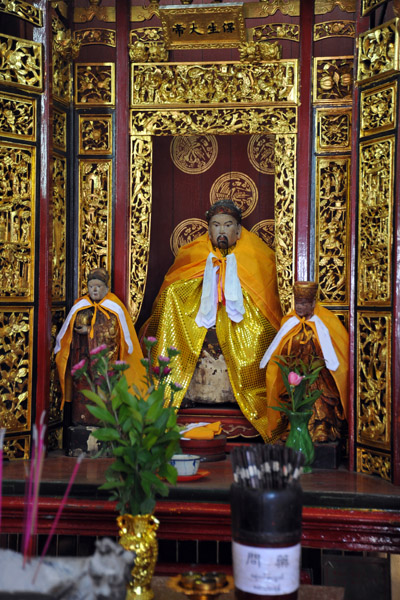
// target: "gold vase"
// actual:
[[138, 534]]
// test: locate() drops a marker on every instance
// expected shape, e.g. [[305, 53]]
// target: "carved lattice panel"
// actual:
[[378, 54], [62, 80], [333, 129], [17, 222], [332, 224], [333, 79], [374, 379], [16, 339], [17, 117], [21, 63], [378, 109], [17, 448], [375, 221], [59, 130], [94, 84], [95, 134], [95, 209], [59, 207], [374, 463]]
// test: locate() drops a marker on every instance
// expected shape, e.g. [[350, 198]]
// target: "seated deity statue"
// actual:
[[96, 319], [310, 331], [219, 305]]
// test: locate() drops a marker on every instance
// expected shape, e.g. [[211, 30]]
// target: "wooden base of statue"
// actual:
[[327, 455], [79, 439]]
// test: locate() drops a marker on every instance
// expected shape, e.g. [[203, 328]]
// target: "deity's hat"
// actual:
[[100, 274], [225, 207], [305, 289]]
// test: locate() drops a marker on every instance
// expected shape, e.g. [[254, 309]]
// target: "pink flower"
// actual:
[[98, 349], [164, 360], [151, 339], [120, 362], [176, 387], [294, 378], [156, 370], [78, 366], [166, 370]]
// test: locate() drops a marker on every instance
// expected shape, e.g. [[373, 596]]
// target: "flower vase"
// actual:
[[138, 534], [299, 437]]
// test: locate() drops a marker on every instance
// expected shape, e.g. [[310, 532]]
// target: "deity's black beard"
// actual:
[[222, 241]]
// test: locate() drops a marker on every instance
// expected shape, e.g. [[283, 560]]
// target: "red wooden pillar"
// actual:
[[122, 168], [43, 211], [304, 144]]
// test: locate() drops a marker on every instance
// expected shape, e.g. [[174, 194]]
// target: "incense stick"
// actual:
[[59, 511], [2, 432], [266, 467]]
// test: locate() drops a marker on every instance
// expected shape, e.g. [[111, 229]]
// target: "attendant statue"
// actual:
[[96, 319], [310, 331], [221, 290]]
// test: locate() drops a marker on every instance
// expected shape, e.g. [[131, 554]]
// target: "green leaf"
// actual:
[[106, 434], [102, 414], [94, 398]]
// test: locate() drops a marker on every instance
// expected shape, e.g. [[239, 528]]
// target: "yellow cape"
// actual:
[[340, 341], [136, 372]]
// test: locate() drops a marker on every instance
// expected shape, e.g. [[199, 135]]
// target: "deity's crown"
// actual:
[[226, 207], [100, 274], [305, 289]]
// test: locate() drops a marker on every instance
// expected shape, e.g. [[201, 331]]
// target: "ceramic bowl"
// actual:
[[185, 464]]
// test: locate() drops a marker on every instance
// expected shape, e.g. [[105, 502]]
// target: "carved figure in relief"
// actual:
[[221, 287], [311, 330], [97, 318]]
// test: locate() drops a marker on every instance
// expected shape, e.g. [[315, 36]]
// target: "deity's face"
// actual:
[[224, 230], [97, 289], [304, 307]]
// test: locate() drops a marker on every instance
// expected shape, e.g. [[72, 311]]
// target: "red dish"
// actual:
[[200, 473]]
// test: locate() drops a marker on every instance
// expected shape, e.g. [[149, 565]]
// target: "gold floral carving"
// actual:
[[59, 130], [333, 128], [95, 134], [140, 220], [16, 368], [62, 80], [280, 31], [55, 412], [21, 63], [95, 209], [329, 29], [285, 196], [266, 8], [258, 51], [17, 117], [375, 221], [147, 45], [238, 187], [22, 10], [332, 224], [333, 79], [378, 109], [374, 463], [194, 153], [17, 222], [261, 152], [94, 11], [171, 83], [214, 121], [185, 232], [378, 52], [266, 231], [95, 84], [17, 448], [89, 37], [374, 379], [368, 5], [322, 7], [65, 44], [59, 207]]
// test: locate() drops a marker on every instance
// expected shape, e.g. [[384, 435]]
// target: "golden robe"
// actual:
[[330, 410], [135, 373], [174, 311]]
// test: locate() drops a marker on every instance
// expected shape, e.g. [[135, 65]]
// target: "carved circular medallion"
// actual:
[[185, 232], [239, 188], [266, 231], [194, 153], [261, 152]]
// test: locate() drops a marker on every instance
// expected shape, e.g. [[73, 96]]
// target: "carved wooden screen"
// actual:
[[376, 314]]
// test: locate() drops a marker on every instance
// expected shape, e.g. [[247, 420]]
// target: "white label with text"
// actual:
[[274, 571]]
